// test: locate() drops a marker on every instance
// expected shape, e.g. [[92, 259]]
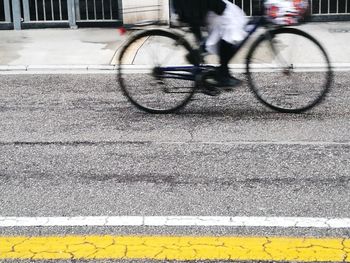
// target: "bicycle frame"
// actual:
[[192, 71]]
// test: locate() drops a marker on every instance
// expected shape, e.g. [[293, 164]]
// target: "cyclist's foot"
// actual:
[[225, 82], [228, 82]]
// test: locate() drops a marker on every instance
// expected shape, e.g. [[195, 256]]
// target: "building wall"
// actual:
[[136, 11]]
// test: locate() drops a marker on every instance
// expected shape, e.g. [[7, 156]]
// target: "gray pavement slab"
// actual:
[[92, 46]]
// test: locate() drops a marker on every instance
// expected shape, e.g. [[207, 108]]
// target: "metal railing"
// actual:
[[250, 7], [98, 10], [72, 12], [45, 10], [330, 7], [5, 11], [83, 11], [43, 13], [318, 7]]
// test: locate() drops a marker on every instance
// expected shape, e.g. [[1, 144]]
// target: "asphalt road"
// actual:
[[72, 145]]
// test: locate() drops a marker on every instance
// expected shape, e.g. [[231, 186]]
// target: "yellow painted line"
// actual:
[[176, 248]]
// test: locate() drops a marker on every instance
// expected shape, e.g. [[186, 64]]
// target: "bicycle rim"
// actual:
[[143, 74], [288, 70]]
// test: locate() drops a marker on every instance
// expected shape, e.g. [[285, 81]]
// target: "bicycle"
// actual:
[[166, 80]]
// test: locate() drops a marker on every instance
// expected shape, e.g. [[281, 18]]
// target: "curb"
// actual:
[[27, 69], [8, 68]]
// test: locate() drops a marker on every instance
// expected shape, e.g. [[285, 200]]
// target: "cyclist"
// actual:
[[225, 22]]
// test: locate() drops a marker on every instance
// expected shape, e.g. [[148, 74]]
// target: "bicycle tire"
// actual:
[[301, 97], [145, 89]]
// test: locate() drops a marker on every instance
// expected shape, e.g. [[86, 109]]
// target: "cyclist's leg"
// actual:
[[225, 31], [195, 57], [196, 30], [226, 53]]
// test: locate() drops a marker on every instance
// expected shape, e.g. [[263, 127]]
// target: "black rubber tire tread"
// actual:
[[288, 30], [162, 33]]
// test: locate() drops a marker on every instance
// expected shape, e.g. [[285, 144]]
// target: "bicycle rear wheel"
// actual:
[[149, 73], [288, 70]]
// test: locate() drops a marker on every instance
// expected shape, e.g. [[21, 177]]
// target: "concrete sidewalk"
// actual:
[[59, 47], [96, 48]]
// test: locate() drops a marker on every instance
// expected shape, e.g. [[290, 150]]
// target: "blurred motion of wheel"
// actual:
[[144, 73], [298, 65]]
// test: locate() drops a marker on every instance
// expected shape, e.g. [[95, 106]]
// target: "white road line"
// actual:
[[289, 143], [187, 142], [206, 221]]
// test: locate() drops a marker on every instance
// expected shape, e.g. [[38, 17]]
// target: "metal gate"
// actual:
[[49, 12], [321, 9], [56, 13], [63, 13], [331, 9], [98, 11], [5, 14]]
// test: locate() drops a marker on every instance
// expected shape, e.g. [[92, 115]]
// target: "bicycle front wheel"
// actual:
[[288, 70], [152, 71]]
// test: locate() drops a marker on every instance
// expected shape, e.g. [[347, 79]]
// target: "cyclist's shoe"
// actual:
[[224, 82], [228, 82]]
